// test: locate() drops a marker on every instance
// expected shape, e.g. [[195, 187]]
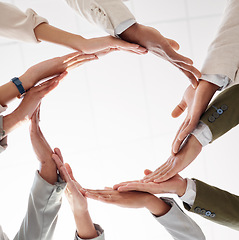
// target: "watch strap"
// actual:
[[18, 84]]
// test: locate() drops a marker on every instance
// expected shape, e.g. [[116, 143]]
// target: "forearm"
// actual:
[[157, 206], [43, 151], [12, 121], [9, 91], [46, 32], [84, 225]]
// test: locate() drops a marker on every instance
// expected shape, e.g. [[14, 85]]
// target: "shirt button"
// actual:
[[203, 212], [58, 189], [211, 119], [215, 115], [213, 215], [224, 107], [208, 213], [197, 209]]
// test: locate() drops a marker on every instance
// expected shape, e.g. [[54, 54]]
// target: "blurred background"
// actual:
[[112, 117]]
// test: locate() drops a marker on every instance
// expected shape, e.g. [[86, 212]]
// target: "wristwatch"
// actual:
[[19, 86]]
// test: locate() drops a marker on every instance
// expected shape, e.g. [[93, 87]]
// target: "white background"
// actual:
[[111, 118]]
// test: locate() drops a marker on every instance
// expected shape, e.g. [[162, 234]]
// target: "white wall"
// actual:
[[111, 127]]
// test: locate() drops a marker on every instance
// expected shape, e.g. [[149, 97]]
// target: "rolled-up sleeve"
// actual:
[[18, 25]]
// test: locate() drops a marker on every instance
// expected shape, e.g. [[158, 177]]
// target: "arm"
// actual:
[[45, 198], [165, 210], [85, 229], [216, 205], [208, 201], [115, 18], [219, 69], [32, 76], [221, 116], [30, 27]]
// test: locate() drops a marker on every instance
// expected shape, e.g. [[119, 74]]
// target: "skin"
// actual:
[[165, 48], [42, 149], [176, 163], [46, 32], [56, 66], [43, 70], [196, 101], [176, 185], [137, 199], [76, 198]]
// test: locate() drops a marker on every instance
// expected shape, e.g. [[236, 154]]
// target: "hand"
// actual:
[[54, 66], [75, 196], [41, 147], [74, 192], [165, 48], [176, 185], [130, 200], [95, 45], [176, 163], [127, 200], [34, 96], [196, 101]]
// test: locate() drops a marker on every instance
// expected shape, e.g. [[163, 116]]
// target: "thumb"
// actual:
[[173, 44], [179, 109], [147, 172]]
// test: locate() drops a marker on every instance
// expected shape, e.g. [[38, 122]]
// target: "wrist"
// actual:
[[157, 206], [28, 80], [131, 33], [181, 187]]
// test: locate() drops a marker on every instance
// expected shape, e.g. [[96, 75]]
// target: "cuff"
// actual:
[[221, 81], [100, 233], [179, 224], [203, 133], [124, 25], [190, 193], [42, 189]]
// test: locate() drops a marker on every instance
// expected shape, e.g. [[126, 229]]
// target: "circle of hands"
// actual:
[[134, 194]]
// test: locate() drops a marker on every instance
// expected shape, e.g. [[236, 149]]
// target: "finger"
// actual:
[[173, 44], [177, 142], [116, 186], [187, 130], [108, 188], [70, 56], [179, 109], [61, 168], [102, 192], [191, 77], [69, 170], [147, 172], [58, 152], [167, 175], [80, 58]]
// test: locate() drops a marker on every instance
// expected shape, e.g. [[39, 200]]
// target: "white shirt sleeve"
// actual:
[[203, 134], [221, 81], [124, 25], [190, 193], [18, 25]]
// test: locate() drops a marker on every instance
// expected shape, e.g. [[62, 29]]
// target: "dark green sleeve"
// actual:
[[223, 113], [216, 205]]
